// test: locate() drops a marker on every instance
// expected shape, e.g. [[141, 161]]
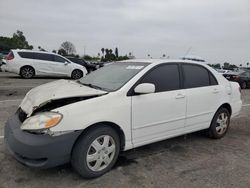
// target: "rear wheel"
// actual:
[[27, 72], [76, 74], [96, 152], [220, 124]]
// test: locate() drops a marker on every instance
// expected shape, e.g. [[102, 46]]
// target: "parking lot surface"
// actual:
[[192, 160]]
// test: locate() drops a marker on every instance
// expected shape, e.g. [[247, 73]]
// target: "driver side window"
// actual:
[[165, 77], [59, 59]]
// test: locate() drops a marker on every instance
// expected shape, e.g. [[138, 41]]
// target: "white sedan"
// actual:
[[119, 107]]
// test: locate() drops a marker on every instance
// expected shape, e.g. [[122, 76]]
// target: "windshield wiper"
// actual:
[[95, 86]]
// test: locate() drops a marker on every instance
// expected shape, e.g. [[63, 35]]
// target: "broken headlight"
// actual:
[[41, 121]]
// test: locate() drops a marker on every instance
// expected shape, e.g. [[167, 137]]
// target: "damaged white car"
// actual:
[[119, 107]]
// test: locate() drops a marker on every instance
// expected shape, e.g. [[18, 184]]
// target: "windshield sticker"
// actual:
[[134, 67]]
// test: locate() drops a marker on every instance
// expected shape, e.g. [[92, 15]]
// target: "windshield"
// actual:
[[113, 76]]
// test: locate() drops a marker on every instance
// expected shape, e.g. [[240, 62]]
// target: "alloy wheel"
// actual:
[[222, 123], [101, 153]]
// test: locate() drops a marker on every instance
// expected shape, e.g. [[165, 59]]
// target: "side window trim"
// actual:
[[131, 90], [212, 75]]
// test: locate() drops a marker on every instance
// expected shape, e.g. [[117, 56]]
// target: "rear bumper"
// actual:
[[42, 151], [236, 108]]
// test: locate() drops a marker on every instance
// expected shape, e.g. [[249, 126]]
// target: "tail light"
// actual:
[[236, 77], [10, 56]]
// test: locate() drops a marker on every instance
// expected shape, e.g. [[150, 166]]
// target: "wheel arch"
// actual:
[[116, 127], [75, 70], [227, 106]]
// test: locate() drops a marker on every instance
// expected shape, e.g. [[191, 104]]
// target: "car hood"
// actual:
[[61, 89]]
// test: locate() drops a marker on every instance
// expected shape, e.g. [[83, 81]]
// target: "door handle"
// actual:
[[179, 96], [215, 90]]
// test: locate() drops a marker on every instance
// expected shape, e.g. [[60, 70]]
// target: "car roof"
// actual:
[[34, 51], [159, 61]]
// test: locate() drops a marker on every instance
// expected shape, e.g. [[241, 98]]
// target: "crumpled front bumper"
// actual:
[[35, 150]]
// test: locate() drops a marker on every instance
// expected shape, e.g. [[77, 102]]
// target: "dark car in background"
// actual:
[[89, 66], [243, 78]]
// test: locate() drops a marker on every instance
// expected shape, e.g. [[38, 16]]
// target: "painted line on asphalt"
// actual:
[[245, 105], [11, 100]]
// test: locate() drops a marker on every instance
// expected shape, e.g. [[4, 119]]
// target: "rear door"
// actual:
[[203, 96], [155, 116]]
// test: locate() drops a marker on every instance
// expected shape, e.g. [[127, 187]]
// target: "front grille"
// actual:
[[21, 114]]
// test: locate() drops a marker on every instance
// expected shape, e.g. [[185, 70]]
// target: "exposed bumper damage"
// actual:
[[42, 151]]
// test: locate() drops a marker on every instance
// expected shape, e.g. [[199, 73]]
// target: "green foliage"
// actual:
[[108, 55], [17, 41], [90, 58], [62, 52]]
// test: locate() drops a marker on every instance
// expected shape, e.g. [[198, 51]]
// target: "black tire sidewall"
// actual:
[[79, 153], [21, 72], [74, 71], [212, 129]]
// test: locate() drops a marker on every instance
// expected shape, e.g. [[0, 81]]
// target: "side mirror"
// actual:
[[144, 88], [66, 63]]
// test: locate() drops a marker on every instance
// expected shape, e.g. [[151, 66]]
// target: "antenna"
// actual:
[[187, 52]]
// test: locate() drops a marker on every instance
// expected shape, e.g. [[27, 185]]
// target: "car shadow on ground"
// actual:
[[130, 157]]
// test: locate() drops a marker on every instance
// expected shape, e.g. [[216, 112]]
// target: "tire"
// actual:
[[27, 72], [76, 74], [243, 85], [220, 124], [102, 154]]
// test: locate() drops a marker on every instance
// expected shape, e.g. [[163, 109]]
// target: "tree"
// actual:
[[54, 51], [41, 49], [17, 41], [116, 52], [68, 47], [103, 51], [62, 52], [247, 64]]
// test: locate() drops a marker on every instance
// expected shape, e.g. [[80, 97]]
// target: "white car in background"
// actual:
[[223, 71], [3, 66], [29, 63], [121, 106]]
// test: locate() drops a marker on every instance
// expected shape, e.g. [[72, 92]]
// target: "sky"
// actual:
[[216, 30]]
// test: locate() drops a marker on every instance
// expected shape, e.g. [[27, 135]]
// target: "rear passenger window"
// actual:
[[164, 77], [213, 80], [43, 56], [195, 76]]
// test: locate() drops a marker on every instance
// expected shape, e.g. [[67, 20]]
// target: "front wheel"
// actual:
[[96, 152], [219, 124], [76, 74]]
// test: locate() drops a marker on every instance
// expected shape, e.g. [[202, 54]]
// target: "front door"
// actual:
[[157, 115]]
